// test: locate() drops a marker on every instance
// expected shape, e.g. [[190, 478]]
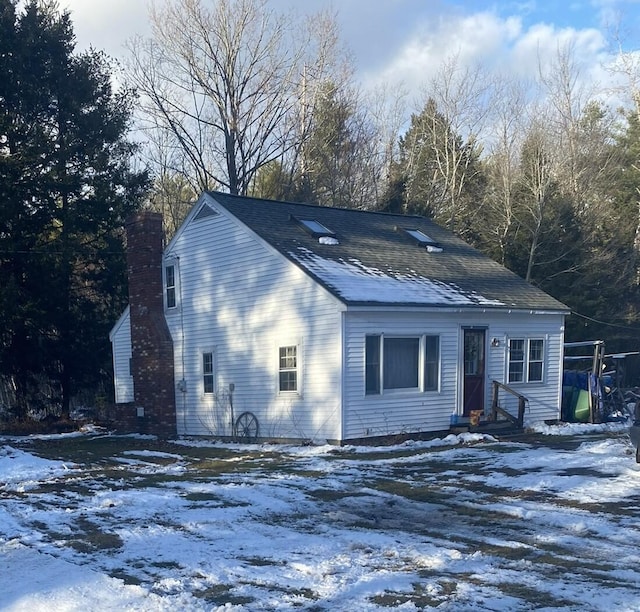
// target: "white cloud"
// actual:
[[402, 43], [496, 43], [106, 25], [479, 38], [612, 12], [539, 46]]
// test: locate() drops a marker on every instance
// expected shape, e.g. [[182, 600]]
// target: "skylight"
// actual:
[[315, 228], [424, 240], [421, 237]]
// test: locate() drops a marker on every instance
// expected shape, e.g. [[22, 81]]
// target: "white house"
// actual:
[[296, 322]]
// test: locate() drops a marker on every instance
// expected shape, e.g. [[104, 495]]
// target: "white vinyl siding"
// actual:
[[544, 397], [245, 299], [121, 350], [369, 414], [236, 294]]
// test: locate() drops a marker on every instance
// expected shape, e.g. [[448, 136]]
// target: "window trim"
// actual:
[[297, 369], [166, 287], [208, 375], [419, 236], [437, 362], [527, 361], [312, 226], [531, 361], [374, 364]]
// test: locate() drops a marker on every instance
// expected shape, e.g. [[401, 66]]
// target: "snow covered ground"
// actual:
[[97, 522]]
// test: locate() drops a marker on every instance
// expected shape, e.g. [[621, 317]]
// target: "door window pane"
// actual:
[[473, 352]]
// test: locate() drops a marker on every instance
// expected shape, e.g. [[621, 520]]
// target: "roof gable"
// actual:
[[124, 317], [370, 259]]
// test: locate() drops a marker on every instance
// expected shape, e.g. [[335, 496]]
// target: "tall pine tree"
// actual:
[[438, 174], [66, 185]]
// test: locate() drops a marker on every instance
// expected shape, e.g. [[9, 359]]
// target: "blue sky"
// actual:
[[405, 41], [568, 13], [110, 22]]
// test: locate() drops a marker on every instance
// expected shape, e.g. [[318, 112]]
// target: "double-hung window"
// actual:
[[207, 372], [288, 369], [526, 360], [535, 365], [170, 285], [401, 362]]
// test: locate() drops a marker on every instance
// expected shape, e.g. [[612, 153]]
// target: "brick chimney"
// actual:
[[151, 343]]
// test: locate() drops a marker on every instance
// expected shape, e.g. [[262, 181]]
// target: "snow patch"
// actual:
[[330, 240], [357, 282]]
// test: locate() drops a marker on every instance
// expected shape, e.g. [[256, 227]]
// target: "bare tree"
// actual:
[[463, 97], [627, 67], [537, 182], [222, 81], [387, 112], [581, 129], [503, 163], [171, 194]]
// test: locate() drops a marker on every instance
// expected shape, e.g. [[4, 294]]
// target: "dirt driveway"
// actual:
[[541, 522]]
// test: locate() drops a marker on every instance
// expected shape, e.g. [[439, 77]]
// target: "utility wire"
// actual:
[[635, 329]]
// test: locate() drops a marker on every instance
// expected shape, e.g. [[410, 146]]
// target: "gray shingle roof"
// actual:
[[376, 263]]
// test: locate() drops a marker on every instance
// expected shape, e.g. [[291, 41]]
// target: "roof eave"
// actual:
[[363, 305]]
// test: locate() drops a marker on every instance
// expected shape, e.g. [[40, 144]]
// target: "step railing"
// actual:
[[497, 410]]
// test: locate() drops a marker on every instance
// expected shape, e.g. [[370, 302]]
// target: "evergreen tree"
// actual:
[[336, 161], [440, 174], [66, 185]]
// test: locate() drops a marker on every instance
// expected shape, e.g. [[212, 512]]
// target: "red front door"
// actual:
[[474, 352]]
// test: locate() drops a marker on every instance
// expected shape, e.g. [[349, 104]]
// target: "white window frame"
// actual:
[[438, 363], [166, 287], [531, 361], [297, 369], [379, 387], [206, 374], [527, 361]]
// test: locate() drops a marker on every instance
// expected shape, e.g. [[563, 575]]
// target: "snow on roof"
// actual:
[[355, 282], [375, 263]]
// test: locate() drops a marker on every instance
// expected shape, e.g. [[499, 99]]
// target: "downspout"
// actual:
[[343, 361], [183, 382]]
